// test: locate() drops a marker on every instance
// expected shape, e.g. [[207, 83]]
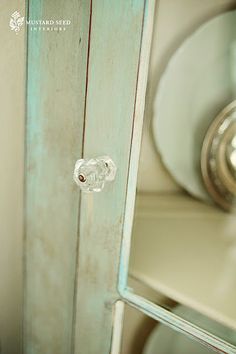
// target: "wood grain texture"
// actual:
[[116, 28], [12, 92], [55, 112]]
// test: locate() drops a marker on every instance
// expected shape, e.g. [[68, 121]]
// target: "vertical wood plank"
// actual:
[[55, 110], [112, 78], [12, 93]]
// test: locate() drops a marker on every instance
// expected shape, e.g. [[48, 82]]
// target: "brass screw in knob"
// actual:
[[92, 174]]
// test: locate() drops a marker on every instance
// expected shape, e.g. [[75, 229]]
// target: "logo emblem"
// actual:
[[16, 21]]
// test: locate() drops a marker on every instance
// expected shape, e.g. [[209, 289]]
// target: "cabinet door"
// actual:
[[85, 98], [55, 109]]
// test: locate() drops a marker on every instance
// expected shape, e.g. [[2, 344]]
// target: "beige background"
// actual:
[[174, 21], [11, 177]]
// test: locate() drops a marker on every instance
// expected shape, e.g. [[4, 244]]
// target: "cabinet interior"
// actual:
[[183, 249]]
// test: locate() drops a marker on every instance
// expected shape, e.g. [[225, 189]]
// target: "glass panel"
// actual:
[[184, 233], [136, 330], [143, 335]]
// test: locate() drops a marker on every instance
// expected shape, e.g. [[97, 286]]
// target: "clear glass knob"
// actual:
[[91, 174]]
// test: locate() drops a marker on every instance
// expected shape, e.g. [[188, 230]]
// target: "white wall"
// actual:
[[11, 177]]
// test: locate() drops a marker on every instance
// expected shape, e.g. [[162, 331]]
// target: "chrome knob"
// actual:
[[231, 155], [218, 158], [91, 174]]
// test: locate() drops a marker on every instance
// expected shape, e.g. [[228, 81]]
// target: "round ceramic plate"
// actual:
[[165, 340], [199, 81]]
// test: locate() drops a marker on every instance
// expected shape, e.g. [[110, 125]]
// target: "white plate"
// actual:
[[198, 82], [164, 340]]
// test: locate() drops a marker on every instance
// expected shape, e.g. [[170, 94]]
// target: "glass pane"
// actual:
[[184, 232], [136, 330], [143, 335]]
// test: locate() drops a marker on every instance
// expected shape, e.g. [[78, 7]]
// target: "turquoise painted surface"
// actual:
[[55, 114], [146, 41], [115, 40], [57, 136]]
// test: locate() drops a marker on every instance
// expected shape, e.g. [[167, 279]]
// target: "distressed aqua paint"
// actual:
[[116, 28], [55, 115], [57, 137], [147, 26], [33, 89]]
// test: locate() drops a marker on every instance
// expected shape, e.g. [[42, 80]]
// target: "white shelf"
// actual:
[[187, 250]]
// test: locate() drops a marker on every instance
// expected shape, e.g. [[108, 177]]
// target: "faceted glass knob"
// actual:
[[91, 174]]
